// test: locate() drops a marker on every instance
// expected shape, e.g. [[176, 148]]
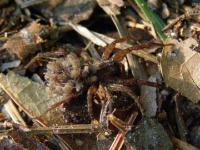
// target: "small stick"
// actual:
[[14, 113], [59, 130], [66, 129]]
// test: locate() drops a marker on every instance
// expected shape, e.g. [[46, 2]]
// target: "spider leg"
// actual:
[[106, 108], [128, 91], [119, 56], [111, 47], [118, 123], [43, 57], [133, 81], [90, 94], [119, 140]]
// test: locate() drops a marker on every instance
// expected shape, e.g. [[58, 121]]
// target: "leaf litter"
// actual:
[[123, 82]]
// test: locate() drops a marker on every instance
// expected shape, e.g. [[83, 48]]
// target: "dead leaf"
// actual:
[[74, 11], [28, 40], [180, 68], [67, 10], [33, 98]]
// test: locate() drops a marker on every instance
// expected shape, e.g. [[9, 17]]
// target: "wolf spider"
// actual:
[[71, 75]]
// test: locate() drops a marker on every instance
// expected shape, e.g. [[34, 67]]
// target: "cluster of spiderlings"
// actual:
[[65, 75]]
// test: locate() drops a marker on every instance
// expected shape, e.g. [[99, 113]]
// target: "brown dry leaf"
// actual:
[[74, 11], [68, 10], [31, 97], [28, 40], [180, 68]]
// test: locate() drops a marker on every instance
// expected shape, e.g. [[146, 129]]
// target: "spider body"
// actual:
[[102, 81]]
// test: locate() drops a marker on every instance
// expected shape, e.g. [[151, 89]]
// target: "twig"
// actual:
[[66, 129], [59, 130], [86, 33]]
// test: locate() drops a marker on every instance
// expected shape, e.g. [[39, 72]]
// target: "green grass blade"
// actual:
[[157, 23]]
